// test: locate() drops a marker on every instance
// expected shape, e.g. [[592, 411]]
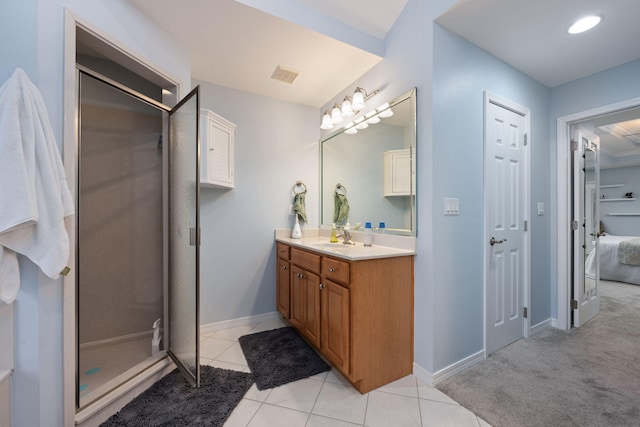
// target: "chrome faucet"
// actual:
[[346, 237]]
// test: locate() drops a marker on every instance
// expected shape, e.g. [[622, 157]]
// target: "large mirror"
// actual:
[[374, 169]]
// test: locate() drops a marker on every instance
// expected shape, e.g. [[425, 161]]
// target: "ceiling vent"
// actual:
[[283, 74]]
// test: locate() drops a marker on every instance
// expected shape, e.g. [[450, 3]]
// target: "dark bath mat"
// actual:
[[173, 402], [280, 356]]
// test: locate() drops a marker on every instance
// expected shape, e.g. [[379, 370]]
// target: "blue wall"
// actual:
[[462, 72], [617, 84], [276, 144], [630, 178]]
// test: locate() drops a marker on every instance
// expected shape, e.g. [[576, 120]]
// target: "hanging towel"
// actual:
[[298, 206], [341, 211], [34, 195]]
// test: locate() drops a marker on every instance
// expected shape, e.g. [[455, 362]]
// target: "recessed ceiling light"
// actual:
[[584, 24]]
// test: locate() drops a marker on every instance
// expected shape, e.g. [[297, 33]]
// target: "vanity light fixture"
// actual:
[[382, 112], [584, 24], [361, 124], [350, 128], [351, 105]]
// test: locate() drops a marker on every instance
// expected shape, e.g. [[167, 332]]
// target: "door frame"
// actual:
[[563, 200], [132, 60], [490, 97]]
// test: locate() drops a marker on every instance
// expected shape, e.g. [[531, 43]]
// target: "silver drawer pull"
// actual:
[[331, 270], [284, 267]]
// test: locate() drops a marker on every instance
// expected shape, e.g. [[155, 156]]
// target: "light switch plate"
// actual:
[[451, 206], [540, 208]]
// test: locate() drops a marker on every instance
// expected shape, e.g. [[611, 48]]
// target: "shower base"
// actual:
[[104, 367]]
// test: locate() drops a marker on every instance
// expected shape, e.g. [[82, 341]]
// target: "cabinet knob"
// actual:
[[331, 270], [321, 286], [284, 267]]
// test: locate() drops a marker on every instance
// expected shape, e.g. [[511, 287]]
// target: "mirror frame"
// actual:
[[411, 96]]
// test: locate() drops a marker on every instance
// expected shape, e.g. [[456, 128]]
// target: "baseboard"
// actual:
[[433, 379], [241, 321], [555, 324], [539, 327]]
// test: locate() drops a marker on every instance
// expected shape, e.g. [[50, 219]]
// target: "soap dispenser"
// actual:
[[334, 234]]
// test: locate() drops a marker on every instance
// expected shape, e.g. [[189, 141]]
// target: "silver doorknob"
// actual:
[[493, 241]]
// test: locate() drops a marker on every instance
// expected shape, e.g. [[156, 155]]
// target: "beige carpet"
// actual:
[[584, 377]]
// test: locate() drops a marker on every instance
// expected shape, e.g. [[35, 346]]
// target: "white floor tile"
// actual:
[[233, 354], [231, 333], [320, 377], [242, 414], [224, 365], [342, 402], [318, 421], [268, 325], [258, 395], [210, 347], [271, 416], [437, 414], [333, 376], [405, 386], [300, 395], [392, 410]]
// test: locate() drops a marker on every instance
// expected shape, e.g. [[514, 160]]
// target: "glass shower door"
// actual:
[[184, 236]]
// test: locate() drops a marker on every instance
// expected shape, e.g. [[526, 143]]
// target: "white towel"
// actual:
[[34, 195]]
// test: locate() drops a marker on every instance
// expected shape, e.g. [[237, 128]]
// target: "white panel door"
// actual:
[[586, 217], [505, 214]]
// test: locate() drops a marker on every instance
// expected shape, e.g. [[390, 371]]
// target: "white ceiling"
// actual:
[[238, 43], [239, 46]]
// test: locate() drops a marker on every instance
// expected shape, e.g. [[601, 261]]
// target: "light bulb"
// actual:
[[361, 124], [336, 115], [350, 128], [385, 111], [357, 103], [326, 121], [347, 110], [372, 118]]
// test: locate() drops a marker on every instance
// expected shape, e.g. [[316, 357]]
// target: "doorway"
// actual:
[[617, 214], [506, 194]]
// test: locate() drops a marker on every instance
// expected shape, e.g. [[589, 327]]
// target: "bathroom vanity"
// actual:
[[354, 304]]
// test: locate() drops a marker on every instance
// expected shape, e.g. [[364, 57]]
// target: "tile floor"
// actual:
[[327, 399]]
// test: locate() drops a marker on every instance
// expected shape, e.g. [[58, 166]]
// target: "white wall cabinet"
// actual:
[[399, 173], [216, 150]]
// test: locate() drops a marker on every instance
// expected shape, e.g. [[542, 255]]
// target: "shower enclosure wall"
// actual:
[[120, 286]]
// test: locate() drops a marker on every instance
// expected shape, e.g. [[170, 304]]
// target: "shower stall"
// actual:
[[137, 234]]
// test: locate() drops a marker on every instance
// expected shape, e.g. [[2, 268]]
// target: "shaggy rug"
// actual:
[[280, 356], [588, 376], [173, 402]]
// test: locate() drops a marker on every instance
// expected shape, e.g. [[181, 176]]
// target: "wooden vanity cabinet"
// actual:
[[357, 314]]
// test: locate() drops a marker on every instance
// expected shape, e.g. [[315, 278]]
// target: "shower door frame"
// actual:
[[128, 58]]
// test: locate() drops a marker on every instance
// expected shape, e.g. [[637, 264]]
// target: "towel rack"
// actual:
[[299, 188], [339, 188]]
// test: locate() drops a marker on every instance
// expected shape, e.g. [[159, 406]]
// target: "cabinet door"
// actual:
[[312, 307], [284, 287], [335, 324], [296, 313]]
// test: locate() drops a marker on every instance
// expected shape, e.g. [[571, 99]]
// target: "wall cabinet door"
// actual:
[[217, 150], [335, 324], [284, 288]]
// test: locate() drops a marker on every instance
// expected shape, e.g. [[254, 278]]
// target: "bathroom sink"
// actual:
[[334, 247]]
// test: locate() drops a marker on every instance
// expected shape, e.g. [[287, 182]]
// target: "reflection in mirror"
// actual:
[[376, 166]]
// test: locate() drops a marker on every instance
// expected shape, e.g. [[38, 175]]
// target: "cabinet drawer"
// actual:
[[335, 270], [306, 260], [282, 250]]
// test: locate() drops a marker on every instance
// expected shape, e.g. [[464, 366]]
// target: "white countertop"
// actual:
[[320, 243]]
